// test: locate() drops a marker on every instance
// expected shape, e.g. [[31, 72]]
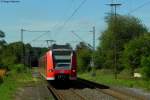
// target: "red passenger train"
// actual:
[[59, 63]]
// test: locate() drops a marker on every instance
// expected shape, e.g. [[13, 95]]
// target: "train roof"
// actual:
[[56, 47]]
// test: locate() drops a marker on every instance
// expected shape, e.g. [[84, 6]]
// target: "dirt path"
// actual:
[[36, 90]]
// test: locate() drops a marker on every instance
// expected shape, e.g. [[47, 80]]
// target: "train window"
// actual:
[[63, 60], [62, 57], [62, 52], [64, 65]]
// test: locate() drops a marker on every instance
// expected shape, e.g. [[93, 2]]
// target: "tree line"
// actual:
[[17, 55], [124, 44]]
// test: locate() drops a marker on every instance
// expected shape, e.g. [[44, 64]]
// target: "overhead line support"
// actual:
[[114, 13]]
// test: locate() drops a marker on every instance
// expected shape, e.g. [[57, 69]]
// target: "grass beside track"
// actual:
[[12, 82], [122, 80]]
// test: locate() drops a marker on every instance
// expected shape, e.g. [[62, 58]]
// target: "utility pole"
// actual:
[[22, 35], [114, 13], [93, 38], [23, 48], [92, 61], [114, 7]]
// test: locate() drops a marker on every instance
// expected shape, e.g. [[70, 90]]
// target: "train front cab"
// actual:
[[60, 71], [65, 68]]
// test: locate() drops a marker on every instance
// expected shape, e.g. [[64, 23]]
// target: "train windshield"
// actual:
[[62, 59]]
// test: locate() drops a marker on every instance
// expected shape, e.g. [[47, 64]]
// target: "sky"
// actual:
[[50, 15]]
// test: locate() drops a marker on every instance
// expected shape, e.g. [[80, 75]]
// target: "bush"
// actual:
[[84, 59], [8, 62], [134, 52], [1, 80], [19, 68], [145, 63]]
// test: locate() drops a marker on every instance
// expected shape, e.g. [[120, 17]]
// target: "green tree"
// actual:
[[2, 34], [120, 30], [2, 41], [145, 63], [12, 54], [135, 52], [83, 57], [2, 44], [99, 59]]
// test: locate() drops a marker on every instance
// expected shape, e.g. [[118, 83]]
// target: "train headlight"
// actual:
[[73, 70], [50, 70]]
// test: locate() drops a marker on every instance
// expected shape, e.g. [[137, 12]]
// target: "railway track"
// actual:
[[64, 93], [87, 90], [115, 92]]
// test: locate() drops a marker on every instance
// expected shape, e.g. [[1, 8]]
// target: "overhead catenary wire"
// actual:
[[10, 1], [77, 36], [35, 30], [41, 35], [139, 7], [81, 40], [70, 17], [68, 9], [38, 37]]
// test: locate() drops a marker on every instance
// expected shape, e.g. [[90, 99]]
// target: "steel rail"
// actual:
[[119, 94], [56, 95], [61, 96], [82, 98]]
